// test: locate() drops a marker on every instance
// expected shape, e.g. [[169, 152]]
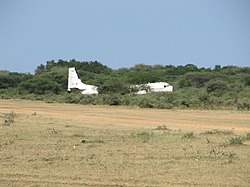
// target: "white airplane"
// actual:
[[154, 88], [74, 83]]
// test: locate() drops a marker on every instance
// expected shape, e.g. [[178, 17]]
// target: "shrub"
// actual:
[[216, 87], [238, 140], [39, 85], [9, 118], [145, 136], [162, 127], [113, 86], [92, 141], [188, 135], [243, 104], [199, 79], [219, 132], [247, 137], [72, 98], [113, 99], [87, 99], [147, 103]]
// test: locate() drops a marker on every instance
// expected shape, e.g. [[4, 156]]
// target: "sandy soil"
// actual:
[[148, 118]]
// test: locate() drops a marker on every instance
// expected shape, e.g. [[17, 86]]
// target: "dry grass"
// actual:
[[73, 145]]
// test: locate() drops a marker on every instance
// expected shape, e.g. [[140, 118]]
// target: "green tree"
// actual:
[[113, 86], [217, 87], [12, 80], [39, 85]]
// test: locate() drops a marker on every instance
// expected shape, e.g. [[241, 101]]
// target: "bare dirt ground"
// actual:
[[148, 118], [75, 145]]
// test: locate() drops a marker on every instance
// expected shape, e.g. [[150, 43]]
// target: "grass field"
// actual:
[[75, 145]]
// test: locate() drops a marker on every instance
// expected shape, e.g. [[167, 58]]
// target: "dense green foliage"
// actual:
[[221, 87]]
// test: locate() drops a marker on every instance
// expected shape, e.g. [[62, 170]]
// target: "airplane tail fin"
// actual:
[[73, 79]]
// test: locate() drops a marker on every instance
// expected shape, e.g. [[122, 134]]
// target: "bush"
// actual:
[[243, 104], [238, 140], [217, 87], [218, 132], [9, 118], [162, 127], [147, 102], [112, 86], [199, 80], [247, 80], [40, 86], [87, 99], [188, 135], [72, 98], [145, 136], [113, 99], [247, 137]]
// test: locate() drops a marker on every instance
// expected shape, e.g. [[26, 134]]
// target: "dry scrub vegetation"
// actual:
[[72, 145]]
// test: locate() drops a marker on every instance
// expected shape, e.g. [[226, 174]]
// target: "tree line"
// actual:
[[194, 87]]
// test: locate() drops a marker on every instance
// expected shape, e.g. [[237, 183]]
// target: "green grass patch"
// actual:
[[238, 140], [145, 136]]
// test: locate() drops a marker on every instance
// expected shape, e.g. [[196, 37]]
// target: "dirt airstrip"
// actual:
[[148, 118], [52, 144]]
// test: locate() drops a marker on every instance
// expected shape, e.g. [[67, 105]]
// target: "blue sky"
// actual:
[[122, 33]]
